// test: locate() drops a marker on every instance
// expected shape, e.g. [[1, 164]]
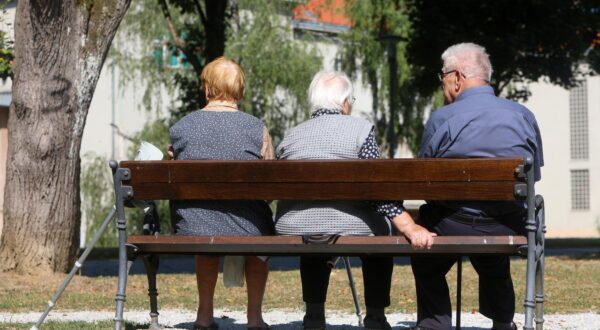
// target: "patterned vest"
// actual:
[[327, 137]]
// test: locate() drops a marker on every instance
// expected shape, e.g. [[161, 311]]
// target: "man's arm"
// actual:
[[418, 236]]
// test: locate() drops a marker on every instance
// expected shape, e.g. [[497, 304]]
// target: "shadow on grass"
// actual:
[[585, 256]]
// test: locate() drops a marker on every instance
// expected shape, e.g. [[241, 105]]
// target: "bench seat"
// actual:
[[346, 245]]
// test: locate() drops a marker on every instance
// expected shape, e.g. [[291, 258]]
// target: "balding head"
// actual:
[[329, 90]]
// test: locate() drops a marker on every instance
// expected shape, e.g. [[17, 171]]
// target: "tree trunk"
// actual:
[[216, 17], [60, 47]]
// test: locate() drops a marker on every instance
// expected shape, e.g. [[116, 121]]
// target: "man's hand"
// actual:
[[170, 152], [419, 237]]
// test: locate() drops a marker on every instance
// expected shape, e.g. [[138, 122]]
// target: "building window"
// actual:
[[578, 110], [580, 190]]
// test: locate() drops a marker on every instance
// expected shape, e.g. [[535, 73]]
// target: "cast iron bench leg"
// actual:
[[124, 265], [458, 290], [151, 265], [539, 280]]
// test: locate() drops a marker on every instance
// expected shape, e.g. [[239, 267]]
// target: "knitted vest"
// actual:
[[327, 137]]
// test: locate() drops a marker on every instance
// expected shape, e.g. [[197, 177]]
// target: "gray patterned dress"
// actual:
[[219, 135], [331, 135]]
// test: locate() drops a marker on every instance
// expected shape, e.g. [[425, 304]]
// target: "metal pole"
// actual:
[[76, 268], [393, 62], [531, 227], [539, 276], [353, 289], [113, 110], [458, 291]]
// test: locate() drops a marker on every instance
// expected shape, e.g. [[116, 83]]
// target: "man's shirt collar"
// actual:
[[475, 91]]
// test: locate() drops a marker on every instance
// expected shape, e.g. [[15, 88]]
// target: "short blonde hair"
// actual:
[[223, 79]]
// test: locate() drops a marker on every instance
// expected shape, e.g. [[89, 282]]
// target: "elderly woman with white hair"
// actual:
[[331, 133]]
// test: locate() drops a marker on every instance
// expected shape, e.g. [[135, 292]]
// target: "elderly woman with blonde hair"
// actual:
[[219, 131]]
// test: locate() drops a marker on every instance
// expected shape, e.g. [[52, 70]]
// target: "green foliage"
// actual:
[[144, 47], [97, 198], [6, 61], [365, 51], [142, 32], [524, 39], [98, 193], [6, 53], [278, 68], [523, 43], [157, 133]]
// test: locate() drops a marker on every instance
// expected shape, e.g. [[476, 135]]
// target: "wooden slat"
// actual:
[[349, 245], [496, 191], [382, 170]]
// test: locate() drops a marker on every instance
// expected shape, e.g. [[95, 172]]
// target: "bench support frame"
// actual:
[[535, 226]]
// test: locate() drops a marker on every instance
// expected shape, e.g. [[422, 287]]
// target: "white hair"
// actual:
[[469, 59], [329, 90]]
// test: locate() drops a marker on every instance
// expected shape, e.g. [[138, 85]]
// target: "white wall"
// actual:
[[550, 104]]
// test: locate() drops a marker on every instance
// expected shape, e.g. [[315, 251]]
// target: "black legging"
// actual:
[[377, 276]]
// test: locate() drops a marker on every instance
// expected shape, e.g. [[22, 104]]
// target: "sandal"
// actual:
[[212, 326]]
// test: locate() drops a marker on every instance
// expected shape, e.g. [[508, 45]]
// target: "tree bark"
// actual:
[[60, 47]]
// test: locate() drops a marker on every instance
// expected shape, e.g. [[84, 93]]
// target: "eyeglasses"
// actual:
[[441, 75]]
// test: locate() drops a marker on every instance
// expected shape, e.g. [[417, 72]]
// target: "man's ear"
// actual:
[[457, 81]]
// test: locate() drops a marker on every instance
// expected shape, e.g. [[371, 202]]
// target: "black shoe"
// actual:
[[506, 326], [312, 322], [376, 323], [416, 327]]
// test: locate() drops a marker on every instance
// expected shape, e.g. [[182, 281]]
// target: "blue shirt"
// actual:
[[479, 124]]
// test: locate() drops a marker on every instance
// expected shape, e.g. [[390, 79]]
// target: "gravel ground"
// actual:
[[287, 320]]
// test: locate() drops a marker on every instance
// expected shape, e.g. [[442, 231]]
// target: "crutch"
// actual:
[[76, 267], [346, 260], [353, 289]]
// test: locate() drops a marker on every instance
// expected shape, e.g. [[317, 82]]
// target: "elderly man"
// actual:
[[473, 123], [331, 133]]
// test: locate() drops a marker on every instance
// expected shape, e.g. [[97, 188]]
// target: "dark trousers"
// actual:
[[377, 276], [496, 293]]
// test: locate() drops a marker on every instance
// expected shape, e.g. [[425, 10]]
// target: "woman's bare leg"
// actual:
[[257, 272], [207, 271]]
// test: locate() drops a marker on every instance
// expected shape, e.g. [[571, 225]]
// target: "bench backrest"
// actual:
[[498, 179]]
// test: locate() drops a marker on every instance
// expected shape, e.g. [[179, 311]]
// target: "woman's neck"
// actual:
[[220, 105]]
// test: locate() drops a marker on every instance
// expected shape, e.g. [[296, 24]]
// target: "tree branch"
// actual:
[[180, 43], [201, 13]]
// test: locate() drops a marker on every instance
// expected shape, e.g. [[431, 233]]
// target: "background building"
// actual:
[[571, 174]]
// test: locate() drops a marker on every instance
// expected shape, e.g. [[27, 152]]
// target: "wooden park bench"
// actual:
[[491, 179]]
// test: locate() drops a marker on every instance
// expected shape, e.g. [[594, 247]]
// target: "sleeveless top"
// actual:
[[219, 135], [327, 137]]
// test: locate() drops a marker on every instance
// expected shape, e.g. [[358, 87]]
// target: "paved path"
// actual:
[[289, 320]]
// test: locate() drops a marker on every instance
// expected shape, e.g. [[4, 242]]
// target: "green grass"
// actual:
[[572, 285]]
